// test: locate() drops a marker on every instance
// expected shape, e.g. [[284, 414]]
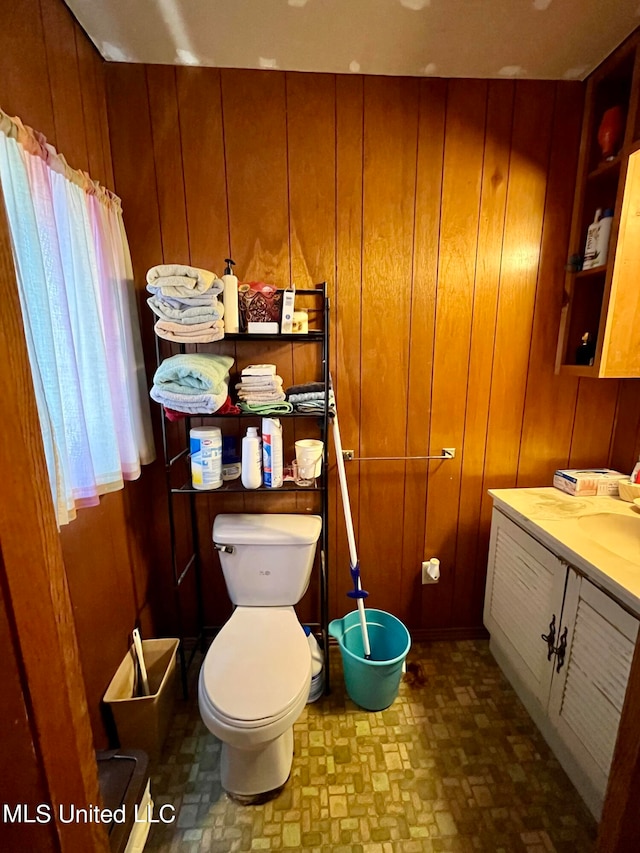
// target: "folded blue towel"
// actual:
[[194, 373]]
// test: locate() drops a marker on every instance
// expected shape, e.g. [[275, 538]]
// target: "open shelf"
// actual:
[[601, 300]]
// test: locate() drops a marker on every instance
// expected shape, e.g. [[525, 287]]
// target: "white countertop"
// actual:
[[553, 518]]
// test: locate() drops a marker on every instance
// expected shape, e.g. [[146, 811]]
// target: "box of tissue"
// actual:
[[587, 481]]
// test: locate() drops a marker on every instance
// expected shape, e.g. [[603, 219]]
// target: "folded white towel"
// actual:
[[260, 383], [198, 314], [197, 333], [192, 278], [261, 396]]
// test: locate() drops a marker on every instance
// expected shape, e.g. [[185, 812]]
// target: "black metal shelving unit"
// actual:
[[185, 490]]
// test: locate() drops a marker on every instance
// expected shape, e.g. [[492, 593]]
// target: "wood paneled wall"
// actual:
[[53, 78], [438, 212]]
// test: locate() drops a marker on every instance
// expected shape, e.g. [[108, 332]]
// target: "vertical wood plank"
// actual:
[[346, 313], [24, 74], [256, 157], [167, 153], [202, 146], [533, 113], [100, 71], [62, 60], [430, 155], [626, 438], [22, 777], [495, 179], [593, 423], [463, 156], [90, 107], [546, 440], [387, 267]]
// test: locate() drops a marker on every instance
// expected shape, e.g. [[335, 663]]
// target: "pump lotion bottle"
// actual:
[[230, 298]]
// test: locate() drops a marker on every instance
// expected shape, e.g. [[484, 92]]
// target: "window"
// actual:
[[75, 281]]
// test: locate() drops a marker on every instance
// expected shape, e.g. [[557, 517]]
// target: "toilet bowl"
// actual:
[[250, 700], [255, 678]]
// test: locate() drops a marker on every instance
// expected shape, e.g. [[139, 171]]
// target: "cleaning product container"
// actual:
[[373, 684]]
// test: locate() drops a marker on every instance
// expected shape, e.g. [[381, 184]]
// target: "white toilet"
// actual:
[[255, 679]]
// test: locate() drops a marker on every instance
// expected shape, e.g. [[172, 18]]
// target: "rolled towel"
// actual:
[[180, 279], [197, 333], [193, 373]]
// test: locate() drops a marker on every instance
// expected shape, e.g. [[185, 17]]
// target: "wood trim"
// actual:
[[36, 586]]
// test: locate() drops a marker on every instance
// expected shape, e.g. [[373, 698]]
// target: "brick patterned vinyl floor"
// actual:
[[455, 764]]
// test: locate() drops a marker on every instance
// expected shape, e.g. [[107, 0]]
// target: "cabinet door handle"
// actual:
[[550, 638], [561, 650]]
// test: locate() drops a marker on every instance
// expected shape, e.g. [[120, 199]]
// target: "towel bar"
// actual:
[[347, 455]]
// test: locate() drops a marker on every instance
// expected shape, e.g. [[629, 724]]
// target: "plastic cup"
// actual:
[[298, 479], [309, 458]]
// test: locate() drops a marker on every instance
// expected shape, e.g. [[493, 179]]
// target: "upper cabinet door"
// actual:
[[523, 602], [588, 690]]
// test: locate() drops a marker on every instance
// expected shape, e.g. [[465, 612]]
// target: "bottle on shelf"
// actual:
[[251, 460], [231, 465], [230, 298], [586, 351], [591, 244], [604, 232], [272, 466]]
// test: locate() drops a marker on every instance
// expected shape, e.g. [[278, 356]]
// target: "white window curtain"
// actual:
[[75, 281]]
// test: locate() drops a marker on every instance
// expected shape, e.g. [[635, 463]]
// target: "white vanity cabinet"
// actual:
[[565, 646]]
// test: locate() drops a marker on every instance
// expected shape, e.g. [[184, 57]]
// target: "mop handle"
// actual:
[[346, 505], [342, 478]]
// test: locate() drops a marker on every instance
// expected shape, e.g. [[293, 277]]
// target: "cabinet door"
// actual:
[[588, 691], [525, 586]]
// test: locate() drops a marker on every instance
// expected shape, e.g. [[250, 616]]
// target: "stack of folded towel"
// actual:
[[185, 299], [193, 383], [260, 390], [310, 397]]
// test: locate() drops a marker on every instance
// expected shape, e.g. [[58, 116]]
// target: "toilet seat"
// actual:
[[257, 667]]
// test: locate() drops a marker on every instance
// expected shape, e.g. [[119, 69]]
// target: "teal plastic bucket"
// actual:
[[372, 684]]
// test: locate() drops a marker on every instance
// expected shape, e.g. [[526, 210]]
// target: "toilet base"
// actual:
[[246, 774]]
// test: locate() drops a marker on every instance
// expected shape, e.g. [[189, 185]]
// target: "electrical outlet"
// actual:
[[426, 577], [348, 455]]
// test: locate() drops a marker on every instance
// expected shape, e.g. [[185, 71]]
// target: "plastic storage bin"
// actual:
[[142, 722]]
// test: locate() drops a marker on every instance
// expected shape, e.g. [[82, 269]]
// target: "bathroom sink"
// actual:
[[619, 534]]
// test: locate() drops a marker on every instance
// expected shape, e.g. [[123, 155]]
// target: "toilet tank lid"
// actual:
[[262, 529]]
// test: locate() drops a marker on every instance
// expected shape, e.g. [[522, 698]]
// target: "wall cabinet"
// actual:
[[604, 301], [565, 646]]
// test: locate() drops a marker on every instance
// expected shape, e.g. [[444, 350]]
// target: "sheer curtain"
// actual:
[[75, 283]]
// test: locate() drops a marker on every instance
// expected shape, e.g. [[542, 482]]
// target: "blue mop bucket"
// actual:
[[372, 684]]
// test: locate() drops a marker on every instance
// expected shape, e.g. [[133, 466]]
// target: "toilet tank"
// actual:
[[271, 559]]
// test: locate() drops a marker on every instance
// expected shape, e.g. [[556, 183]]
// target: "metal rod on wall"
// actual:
[[347, 455]]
